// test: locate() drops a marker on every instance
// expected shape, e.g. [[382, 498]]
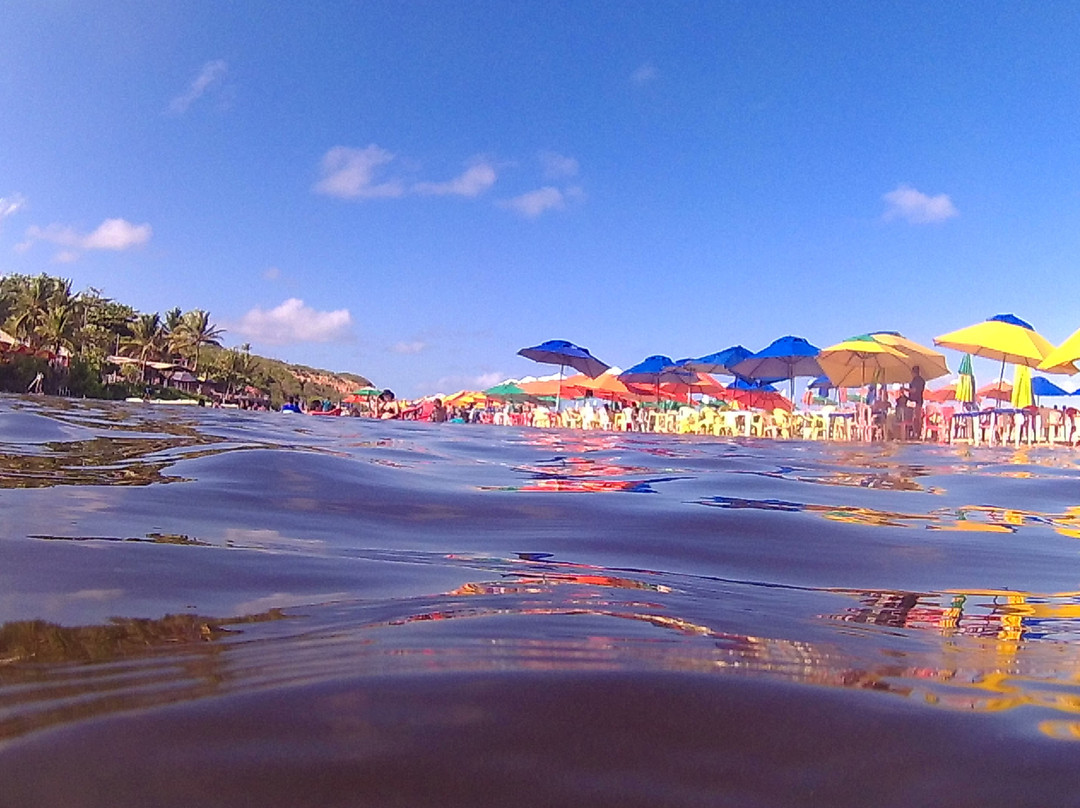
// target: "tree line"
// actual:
[[49, 320]]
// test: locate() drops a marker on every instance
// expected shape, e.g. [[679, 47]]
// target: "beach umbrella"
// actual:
[[965, 385], [757, 395], [942, 394], [565, 354], [1064, 357], [1042, 386], [1004, 337], [606, 386], [1021, 392], [784, 358], [931, 363], [507, 391], [656, 370], [999, 391], [862, 360], [720, 362]]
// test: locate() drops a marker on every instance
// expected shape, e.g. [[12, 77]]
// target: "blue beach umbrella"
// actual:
[[562, 353], [1042, 386], [565, 354], [657, 370], [720, 362], [784, 358]]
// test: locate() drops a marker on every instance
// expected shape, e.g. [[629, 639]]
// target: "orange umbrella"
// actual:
[[999, 391], [941, 394], [606, 386]]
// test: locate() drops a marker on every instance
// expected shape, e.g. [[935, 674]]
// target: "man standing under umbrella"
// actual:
[[916, 388]]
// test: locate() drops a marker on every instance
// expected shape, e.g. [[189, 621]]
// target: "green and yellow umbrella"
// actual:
[[965, 385], [884, 357]]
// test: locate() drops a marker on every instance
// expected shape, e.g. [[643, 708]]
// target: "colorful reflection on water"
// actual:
[[154, 559]]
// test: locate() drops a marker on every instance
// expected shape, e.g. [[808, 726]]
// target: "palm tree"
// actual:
[[147, 338], [197, 330], [173, 324]]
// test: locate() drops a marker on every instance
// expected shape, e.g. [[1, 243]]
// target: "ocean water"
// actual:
[[203, 607]]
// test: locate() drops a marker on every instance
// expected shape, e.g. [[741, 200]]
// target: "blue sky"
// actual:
[[414, 191]]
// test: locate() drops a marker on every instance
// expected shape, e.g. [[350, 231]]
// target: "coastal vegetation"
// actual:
[[88, 345]]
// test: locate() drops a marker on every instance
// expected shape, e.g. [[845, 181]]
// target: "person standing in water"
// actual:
[[916, 388]]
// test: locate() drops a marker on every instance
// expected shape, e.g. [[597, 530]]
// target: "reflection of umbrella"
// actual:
[[784, 358], [1063, 358], [720, 362], [562, 353], [1021, 392]]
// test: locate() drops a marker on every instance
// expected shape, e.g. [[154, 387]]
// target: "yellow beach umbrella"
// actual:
[[1021, 391], [1004, 337], [931, 363], [1063, 358], [863, 360]]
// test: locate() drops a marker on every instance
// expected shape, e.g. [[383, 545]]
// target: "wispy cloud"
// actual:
[[557, 166], [351, 174], [112, 234], [292, 322], [914, 206], [474, 181], [414, 347], [10, 205], [534, 203], [644, 74], [212, 74]]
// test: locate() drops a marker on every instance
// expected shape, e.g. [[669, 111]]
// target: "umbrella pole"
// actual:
[[558, 392]]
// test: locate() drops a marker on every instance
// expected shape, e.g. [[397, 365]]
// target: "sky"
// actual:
[[413, 191]]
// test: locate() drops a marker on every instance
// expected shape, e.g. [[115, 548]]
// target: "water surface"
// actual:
[[221, 607]]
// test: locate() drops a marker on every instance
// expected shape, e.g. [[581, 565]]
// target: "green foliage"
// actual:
[[42, 312]]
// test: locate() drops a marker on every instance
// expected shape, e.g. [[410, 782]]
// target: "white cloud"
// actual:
[[293, 321], [473, 182], [534, 203], [558, 166], [117, 234], [271, 273], [10, 205], [414, 347], [212, 73], [112, 234], [350, 174], [916, 207], [644, 74]]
